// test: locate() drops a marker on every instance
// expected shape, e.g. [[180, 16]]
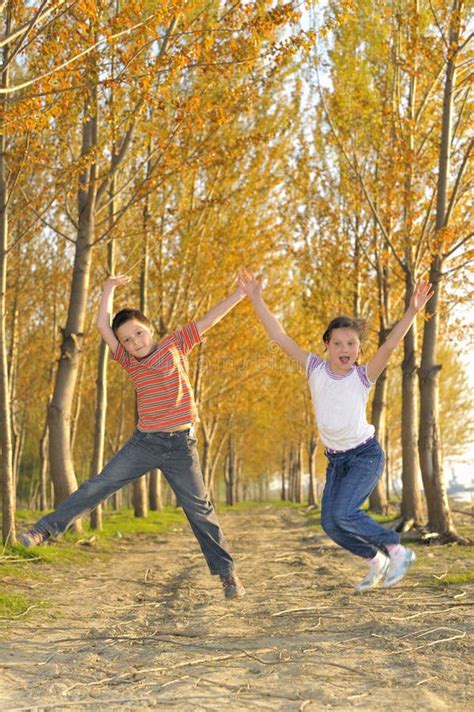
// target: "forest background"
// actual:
[[327, 146]]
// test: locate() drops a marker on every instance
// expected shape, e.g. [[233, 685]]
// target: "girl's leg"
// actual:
[[329, 522], [182, 470], [132, 461], [356, 478]]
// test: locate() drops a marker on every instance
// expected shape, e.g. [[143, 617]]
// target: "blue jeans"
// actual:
[[351, 476], [175, 454]]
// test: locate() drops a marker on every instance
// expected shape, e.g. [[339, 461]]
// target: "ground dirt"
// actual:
[[148, 628]]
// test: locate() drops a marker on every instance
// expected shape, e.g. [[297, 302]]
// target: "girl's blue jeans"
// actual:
[[175, 454], [351, 476]]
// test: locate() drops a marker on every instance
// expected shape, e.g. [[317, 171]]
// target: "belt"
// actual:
[[338, 452], [170, 433]]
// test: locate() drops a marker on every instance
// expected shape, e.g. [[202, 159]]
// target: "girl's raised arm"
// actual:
[[253, 289], [421, 295]]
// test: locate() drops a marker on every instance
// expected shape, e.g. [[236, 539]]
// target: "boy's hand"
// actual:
[[421, 295], [118, 280], [249, 284]]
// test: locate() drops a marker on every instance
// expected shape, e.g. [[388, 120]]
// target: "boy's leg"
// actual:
[[180, 466], [131, 461]]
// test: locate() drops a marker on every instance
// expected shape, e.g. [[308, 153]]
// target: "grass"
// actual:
[[456, 579], [13, 605], [244, 506], [19, 564], [455, 560]]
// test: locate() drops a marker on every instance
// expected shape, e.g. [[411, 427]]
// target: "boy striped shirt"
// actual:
[[165, 398]]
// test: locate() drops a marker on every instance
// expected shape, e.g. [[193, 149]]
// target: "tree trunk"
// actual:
[[238, 481], [411, 506], [8, 493], [283, 490], [229, 472], [77, 407], [291, 475], [18, 450], [377, 500], [298, 464], [155, 491], [101, 390], [117, 497], [312, 448], [59, 415], [12, 359], [431, 460], [43, 468]]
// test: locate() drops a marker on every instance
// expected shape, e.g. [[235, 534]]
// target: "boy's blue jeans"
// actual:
[[175, 454], [351, 476]]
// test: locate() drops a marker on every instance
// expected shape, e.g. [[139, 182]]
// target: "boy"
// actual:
[[164, 437]]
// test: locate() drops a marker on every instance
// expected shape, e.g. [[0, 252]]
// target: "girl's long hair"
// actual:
[[345, 322]]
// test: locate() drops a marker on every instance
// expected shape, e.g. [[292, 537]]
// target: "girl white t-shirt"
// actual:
[[340, 404]]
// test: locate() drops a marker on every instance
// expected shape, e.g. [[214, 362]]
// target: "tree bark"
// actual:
[[311, 449], [8, 493], [411, 506], [229, 472], [377, 499], [43, 468], [155, 491], [431, 459], [101, 390], [59, 414], [283, 489]]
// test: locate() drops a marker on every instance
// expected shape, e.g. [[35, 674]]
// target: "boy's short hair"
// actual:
[[125, 315]]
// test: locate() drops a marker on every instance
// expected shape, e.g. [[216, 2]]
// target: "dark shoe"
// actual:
[[32, 537], [232, 586]]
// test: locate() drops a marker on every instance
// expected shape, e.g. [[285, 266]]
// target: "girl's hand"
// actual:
[[118, 280], [249, 284], [421, 295]]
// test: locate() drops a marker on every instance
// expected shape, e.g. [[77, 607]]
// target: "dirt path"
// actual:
[[151, 628]]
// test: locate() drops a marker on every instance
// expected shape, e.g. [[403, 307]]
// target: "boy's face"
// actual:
[[136, 338], [343, 349]]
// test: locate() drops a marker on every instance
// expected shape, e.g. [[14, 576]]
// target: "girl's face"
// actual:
[[136, 338], [343, 349]]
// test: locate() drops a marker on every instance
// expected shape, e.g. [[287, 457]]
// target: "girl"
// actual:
[[339, 390], [164, 437]]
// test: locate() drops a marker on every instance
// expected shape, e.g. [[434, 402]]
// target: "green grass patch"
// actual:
[[459, 579], [127, 524], [65, 550], [272, 503], [13, 605], [114, 523]]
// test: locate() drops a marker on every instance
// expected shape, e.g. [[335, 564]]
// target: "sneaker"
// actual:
[[378, 567], [32, 537], [400, 560], [232, 586]]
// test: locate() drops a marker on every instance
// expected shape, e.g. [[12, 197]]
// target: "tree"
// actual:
[[443, 246]]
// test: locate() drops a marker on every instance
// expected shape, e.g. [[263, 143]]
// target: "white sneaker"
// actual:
[[400, 560], [378, 567]]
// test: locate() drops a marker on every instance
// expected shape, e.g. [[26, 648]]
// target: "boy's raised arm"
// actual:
[[105, 310], [253, 289], [218, 312]]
